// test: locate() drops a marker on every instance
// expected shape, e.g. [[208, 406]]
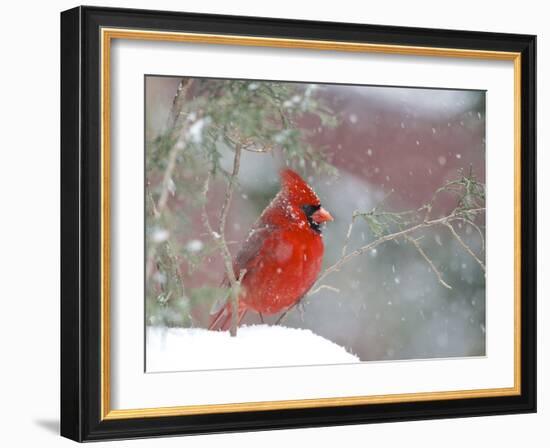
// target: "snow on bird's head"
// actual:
[[296, 189]]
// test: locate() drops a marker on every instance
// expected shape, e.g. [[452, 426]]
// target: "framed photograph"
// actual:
[[276, 224]]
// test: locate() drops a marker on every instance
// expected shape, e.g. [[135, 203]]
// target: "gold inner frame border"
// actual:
[[107, 35]]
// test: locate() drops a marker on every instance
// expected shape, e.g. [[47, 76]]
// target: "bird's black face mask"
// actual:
[[309, 210]]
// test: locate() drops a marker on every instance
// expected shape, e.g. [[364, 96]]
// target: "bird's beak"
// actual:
[[322, 215]]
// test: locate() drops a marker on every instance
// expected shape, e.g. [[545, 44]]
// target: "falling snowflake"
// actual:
[[171, 185], [160, 235], [194, 246], [196, 130]]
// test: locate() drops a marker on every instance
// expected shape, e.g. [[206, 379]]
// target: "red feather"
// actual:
[[282, 254]]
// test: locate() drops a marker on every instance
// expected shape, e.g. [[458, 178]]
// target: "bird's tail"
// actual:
[[221, 320]]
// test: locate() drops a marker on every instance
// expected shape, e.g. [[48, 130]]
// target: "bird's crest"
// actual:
[[297, 188]]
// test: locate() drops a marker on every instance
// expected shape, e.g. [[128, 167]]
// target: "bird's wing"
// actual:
[[246, 258], [251, 248]]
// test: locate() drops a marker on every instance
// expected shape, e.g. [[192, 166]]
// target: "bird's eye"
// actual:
[[310, 209]]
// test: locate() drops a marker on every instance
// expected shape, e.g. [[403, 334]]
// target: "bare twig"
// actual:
[[205, 219], [263, 150], [285, 313], [228, 261], [464, 245], [230, 189], [177, 270], [476, 227], [235, 290], [384, 199], [416, 244], [321, 287], [173, 129], [357, 213], [297, 304], [156, 213], [348, 234], [246, 144], [177, 105]]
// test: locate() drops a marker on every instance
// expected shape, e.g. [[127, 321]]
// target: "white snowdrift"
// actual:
[[180, 349]]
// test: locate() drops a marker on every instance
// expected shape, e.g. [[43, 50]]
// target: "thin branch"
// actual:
[[235, 290], [357, 213], [228, 261], [285, 313], [156, 213], [177, 270], [173, 129], [246, 144], [263, 150], [230, 189], [476, 227], [384, 199], [206, 221], [416, 244], [464, 245], [348, 234], [297, 304], [177, 105], [321, 287]]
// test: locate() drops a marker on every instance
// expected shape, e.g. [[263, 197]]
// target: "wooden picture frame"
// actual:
[[86, 37]]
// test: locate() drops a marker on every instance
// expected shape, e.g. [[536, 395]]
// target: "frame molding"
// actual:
[[86, 34]]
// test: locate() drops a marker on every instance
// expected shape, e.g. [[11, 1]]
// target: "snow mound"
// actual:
[[180, 349]]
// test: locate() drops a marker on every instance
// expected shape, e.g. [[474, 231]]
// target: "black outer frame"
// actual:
[[80, 224]]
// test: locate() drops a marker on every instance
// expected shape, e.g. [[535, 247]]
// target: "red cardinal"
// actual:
[[282, 254]]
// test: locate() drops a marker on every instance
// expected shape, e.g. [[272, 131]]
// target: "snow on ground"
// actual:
[[179, 349]]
